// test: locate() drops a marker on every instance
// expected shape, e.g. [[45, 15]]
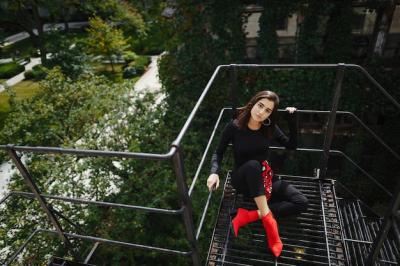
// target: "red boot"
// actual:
[[271, 228], [242, 218]]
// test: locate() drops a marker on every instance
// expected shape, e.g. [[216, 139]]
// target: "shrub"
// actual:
[[38, 72], [141, 63], [129, 72], [29, 74], [9, 70], [130, 56]]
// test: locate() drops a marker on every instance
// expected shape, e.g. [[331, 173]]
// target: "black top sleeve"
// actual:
[[291, 141], [225, 139]]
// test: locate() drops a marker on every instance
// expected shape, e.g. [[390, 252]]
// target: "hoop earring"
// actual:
[[268, 124]]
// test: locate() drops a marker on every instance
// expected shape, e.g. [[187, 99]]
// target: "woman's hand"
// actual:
[[213, 182], [291, 110]]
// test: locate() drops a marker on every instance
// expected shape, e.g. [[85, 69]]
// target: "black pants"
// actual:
[[285, 198]]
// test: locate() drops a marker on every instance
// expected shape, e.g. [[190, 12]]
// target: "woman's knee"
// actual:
[[253, 165]]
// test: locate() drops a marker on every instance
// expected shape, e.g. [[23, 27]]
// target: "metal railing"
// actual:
[[176, 158]]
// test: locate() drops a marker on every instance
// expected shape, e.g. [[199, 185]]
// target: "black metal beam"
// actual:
[[233, 91], [91, 153], [124, 244], [385, 227], [376, 83], [100, 203], [32, 185], [90, 255], [186, 203], [98, 240], [323, 165], [19, 250]]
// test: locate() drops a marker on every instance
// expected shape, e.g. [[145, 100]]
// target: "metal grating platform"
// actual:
[[360, 228], [312, 238]]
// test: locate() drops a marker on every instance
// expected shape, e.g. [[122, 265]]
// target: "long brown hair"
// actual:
[[244, 113]]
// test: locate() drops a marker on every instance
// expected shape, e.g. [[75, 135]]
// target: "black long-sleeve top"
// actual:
[[251, 144]]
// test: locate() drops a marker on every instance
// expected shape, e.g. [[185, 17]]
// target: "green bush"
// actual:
[[130, 56], [140, 64], [38, 72], [129, 72], [9, 70]]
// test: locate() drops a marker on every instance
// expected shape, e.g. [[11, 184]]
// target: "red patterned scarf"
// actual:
[[267, 174]]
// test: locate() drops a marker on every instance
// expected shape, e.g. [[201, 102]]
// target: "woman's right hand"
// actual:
[[213, 182]]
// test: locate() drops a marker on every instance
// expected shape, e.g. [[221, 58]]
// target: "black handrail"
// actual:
[[355, 117], [348, 159], [92, 202]]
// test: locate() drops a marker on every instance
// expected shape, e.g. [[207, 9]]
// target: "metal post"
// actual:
[[385, 227], [323, 165], [32, 185], [89, 256], [233, 82], [186, 204]]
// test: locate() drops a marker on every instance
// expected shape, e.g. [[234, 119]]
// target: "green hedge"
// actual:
[[9, 70], [37, 73]]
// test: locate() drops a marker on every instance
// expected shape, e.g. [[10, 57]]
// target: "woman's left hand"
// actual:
[[291, 110]]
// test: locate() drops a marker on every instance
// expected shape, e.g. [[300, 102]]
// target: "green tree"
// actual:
[[122, 12], [64, 113], [312, 29], [63, 9], [273, 12], [104, 39], [68, 54], [61, 112], [338, 37], [26, 15]]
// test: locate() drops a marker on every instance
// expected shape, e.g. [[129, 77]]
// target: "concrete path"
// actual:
[[21, 76], [150, 81], [23, 35]]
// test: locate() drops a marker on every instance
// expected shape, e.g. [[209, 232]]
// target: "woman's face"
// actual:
[[262, 110]]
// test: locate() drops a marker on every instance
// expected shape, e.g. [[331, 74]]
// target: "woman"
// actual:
[[251, 135]]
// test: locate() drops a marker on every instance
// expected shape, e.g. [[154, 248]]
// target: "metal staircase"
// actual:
[[312, 238], [361, 227], [333, 230]]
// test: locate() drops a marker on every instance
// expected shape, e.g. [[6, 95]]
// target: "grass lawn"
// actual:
[[2, 81], [23, 90]]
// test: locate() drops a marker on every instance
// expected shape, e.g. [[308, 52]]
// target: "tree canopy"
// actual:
[[105, 40]]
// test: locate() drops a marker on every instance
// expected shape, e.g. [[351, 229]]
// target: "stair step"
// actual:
[[360, 230]]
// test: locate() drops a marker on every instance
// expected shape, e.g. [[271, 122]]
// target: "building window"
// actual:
[[282, 24], [359, 20]]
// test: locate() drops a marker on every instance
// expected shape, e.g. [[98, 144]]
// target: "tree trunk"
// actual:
[[66, 26], [65, 17], [39, 27], [381, 29], [112, 64]]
